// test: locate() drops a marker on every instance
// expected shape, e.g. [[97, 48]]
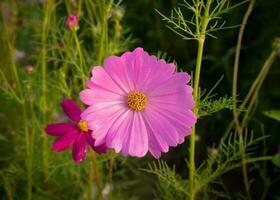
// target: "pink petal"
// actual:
[[182, 120], [71, 109], [174, 83], [101, 119], [79, 148], [65, 140], [99, 149], [136, 70], [119, 131], [137, 143], [89, 84], [97, 114], [101, 78], [100, 96], [178, 101], [154, 146], [116, 68], [59, 129], [163, 131]]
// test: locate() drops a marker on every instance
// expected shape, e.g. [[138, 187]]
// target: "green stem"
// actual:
[[111, 167], [255, 86], [96, 174], [47, 13], [196, 99], [264, 158], [21, 100], [234, 94], [81, 58], [104, 34], [264, 73], [201, 40], [236, 62]]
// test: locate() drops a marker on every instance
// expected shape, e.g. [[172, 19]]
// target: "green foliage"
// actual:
[[188, 27], [208, 106], [225, 157], [276, 160], [273, 114], [171, 184]]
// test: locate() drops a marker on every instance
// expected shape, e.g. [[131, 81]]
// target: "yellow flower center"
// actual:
[[83, 125], [137, 100]]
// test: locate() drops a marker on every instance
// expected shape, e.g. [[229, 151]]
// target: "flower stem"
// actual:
[[111, 166], [234, 94], [104, 32], [96, 174], [196, 99], [200, 39], [81, 58], [45, 28], [268, 63]]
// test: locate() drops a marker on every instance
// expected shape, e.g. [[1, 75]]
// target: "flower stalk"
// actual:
[[43, 101], [201, 39]]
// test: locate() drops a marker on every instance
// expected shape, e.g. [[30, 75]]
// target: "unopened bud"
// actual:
[[29, 68], [72, 22]]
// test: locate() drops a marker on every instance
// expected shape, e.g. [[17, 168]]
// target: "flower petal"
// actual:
[[116, 68], [59, 129], [65, 140], [79, 148], [137, 142], [163, 132], [101, 78], [100, 119], [100, 96], [89, 84], [71, 109], [182, 119], [99, 149], [119, 131]]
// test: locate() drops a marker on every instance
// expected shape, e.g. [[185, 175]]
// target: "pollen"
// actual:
[[83, 126], [137, 100]]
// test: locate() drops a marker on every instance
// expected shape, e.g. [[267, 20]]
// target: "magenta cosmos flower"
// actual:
[[74, 133], [137, 104], [72, 22]]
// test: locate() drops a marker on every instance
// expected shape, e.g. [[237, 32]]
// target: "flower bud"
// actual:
[[72, 22], [28, 68]]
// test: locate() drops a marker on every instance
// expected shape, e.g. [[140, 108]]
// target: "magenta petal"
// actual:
[[59, 129], [79, 148], [65, 140], [71, 109], [99, 149]]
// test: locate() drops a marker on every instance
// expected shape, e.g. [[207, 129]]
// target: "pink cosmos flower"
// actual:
[[72, 22], [138, 104], [75, 133]]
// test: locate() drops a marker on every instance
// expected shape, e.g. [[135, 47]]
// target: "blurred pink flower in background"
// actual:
[[72, 22], [19, 55], [74, 133], [137, 103], [29, 68]]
